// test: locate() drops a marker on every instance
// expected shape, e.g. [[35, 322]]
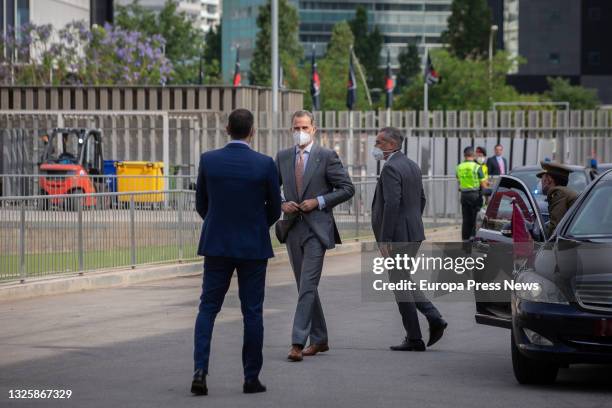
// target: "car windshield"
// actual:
[[594, 217], [577, 180]]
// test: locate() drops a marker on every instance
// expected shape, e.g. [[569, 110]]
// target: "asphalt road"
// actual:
[[132, 347]]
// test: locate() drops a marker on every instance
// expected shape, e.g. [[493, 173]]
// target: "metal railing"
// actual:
[[45, 235]]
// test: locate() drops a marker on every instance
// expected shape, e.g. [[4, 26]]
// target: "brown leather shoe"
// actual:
[[295, 354], [314, 349]]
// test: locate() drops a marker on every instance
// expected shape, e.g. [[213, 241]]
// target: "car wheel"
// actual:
[[530, 371]]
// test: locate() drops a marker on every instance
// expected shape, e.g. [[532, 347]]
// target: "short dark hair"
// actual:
[[481, 150], [559, 180], [393, 134], [302, 113], [468, 151], [240, 123], [499, 145]]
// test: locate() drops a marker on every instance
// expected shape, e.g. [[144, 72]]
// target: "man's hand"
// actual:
[[384, 249], [290, 207], [309, 205]]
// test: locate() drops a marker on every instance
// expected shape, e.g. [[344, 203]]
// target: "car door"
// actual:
[[494, 241]]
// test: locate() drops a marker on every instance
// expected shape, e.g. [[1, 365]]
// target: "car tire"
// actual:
[[530, 371]]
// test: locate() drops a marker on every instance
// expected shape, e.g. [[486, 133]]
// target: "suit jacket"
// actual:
[[324, 176], [238, 197], [493, 166], [399, 201]]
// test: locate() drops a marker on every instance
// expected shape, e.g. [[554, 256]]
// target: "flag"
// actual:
[[315, 83], [389, 83], [351, 94], [431, 75], [237, 76], [521, 238]]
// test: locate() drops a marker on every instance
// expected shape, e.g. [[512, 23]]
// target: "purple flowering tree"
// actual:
[[76, 55]]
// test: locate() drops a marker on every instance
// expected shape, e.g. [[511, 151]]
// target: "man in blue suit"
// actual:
[[238, 197]]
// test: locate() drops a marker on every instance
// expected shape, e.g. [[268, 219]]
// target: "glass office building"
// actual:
[[401, 22]]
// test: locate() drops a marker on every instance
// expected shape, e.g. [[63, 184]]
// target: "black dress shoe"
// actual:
[[436, 331], [409, 345], [198, 385], [253, 387]]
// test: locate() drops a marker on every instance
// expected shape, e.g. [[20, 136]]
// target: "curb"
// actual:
[[56, 285]]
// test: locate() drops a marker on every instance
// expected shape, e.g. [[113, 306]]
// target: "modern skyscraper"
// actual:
[[401, 22]]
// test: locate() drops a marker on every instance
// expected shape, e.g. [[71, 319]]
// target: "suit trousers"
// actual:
[[471, 203], [306, 254], [218, 273], [409, 301]]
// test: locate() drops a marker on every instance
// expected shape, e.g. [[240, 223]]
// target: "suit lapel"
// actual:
[[313, 162], [290, 171]]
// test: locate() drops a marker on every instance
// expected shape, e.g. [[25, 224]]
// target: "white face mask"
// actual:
[[480, 159], [379, 154], [301, 138]]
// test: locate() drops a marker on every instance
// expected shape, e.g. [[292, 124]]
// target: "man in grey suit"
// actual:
[[313, 182], [397, 208]]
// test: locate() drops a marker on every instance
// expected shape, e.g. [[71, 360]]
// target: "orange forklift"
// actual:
[[71, 163]]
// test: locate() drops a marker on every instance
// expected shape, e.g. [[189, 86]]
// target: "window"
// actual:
[[594, 13], [594, 58], [499, 210], [554, 58]]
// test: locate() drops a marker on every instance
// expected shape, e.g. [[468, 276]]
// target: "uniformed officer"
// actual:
[[481, 158], [471, 180], [559, 197]]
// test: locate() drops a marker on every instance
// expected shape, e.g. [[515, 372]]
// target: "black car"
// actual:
[[568, 319]]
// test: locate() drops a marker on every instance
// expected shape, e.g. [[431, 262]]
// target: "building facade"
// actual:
[[402, 22], [559, 38], [58, 13], [204, 14]]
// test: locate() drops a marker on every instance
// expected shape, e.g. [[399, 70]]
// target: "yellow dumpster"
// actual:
[[140, 176]]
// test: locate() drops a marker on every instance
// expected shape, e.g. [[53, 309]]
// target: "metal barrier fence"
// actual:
[[47, 235], [434, 141]]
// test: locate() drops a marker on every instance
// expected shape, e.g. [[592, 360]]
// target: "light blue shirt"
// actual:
[[306, 154]]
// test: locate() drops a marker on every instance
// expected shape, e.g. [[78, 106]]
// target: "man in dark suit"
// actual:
[[314, 182], [238, 197], [397, 208], [498, 165]]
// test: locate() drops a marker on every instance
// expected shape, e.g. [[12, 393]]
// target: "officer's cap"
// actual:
[[555, 170]]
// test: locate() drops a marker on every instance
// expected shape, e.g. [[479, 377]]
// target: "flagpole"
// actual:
[[275, 64]]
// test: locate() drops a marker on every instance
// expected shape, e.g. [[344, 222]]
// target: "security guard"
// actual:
[[481, 158], [471, 180], [560, 197]]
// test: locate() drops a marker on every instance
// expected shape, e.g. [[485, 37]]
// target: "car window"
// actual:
[[594, 217], [499, 210]]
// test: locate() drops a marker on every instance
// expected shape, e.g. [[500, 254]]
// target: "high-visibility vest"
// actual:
[[469, 175]]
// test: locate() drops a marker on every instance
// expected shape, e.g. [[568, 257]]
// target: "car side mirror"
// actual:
[[506, 230]]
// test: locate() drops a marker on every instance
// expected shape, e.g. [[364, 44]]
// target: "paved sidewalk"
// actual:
[[132, 347]]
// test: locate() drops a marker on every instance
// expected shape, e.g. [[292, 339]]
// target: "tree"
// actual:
[[75, 55], [212, 55], [469, 26], [409, 66], [579, 98], [289, 48], [465, 84], [333, 69], [368, 46], [183, 40]]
